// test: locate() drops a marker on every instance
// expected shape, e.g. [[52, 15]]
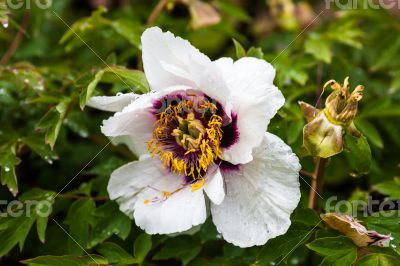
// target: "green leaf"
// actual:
[[113, 222], [77, 123], [43, 209], [129, 30], [115, 254], [91, 260], [390, 188], [142, 247], [41, 226], [182, 248], [85, 24], [340, 260], [319, 47], [284, 245], [52, 121], [378, 260], [19, 221], [358, 154], [79, 218], [38, 195], [16, 232], [134, 80], [339, 251], [370, 131], [40, 148], [330, 246], [386, 56], [233, 10], [255, 52], [240, 51], [346, 32], [8, 161], [305, 216], [294, 131]]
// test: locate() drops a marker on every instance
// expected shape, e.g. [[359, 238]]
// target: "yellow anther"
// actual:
[[199, 184]]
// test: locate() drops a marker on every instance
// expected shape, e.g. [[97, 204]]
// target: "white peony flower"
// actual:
[[201, 131]]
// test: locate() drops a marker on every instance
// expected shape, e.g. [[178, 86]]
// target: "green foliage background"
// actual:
[[51, 147]]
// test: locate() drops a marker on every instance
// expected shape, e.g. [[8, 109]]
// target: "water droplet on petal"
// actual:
[[119, 93]]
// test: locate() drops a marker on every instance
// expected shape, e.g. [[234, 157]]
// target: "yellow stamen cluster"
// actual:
[[341, 104], [191, 134]]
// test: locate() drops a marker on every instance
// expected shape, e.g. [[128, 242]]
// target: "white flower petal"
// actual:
[[177, 213], [255, 101], [214, 187], [132, 127], [130, 179], [260, 196], [167, 59], [134, 183], [225, 65], [172, 61], [112, 103]]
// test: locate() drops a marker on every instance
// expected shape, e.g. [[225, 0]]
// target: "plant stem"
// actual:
[[150, 21], [17, 40], [316, 184], [156, 12]]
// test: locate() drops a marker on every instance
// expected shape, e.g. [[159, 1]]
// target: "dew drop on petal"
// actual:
[[119, 93]]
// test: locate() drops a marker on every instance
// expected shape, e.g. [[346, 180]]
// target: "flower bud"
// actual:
[[323, 135], [341, 105], [203, 14], [351, 228]]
